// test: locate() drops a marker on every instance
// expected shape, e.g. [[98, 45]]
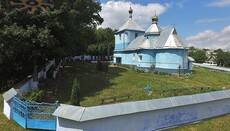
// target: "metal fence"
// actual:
[[34, 115]]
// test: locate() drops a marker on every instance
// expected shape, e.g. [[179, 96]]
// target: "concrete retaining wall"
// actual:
[[144, 115], [7, 109], [8, 102], [213, 67], [28, 83]]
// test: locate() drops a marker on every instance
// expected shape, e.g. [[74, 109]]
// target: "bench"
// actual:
[[114, 98]]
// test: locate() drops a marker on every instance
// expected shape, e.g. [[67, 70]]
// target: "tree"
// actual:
[[75, 94], [79, 18], [62, 32], [199, 56], [103, 42], [223, 58]]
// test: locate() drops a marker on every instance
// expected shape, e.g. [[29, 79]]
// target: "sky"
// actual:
[[199, 23]]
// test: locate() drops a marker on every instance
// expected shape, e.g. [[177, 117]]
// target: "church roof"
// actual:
[[153, 29], [130, 25], [167, 39]]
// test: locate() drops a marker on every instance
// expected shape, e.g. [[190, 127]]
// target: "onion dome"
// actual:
[[155, 19], [130, 10], [130, 13]]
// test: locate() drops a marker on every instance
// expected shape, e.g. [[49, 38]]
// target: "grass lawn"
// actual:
[[120, 81]]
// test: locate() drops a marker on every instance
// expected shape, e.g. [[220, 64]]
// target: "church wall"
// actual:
[[132, 34], [185, 56], [163, 60], [127, 58], [148, 58], [123, 39], [170, 58], [151, 36]]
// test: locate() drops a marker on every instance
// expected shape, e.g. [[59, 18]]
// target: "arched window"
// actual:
[[140, 58]]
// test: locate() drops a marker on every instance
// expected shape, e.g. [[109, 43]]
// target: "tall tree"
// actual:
[[25, 38], [103, 42]]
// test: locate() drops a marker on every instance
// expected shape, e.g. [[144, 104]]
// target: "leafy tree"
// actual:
[[218, 51], [79, 17], [199, 56], [223, 58], [192, 48], [103, 42], [26, 39], [23, 39], [75, 94]]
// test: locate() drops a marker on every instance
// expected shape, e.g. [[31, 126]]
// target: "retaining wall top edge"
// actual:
[[227, 92], [9, 94], [98, 112], [69, 112]]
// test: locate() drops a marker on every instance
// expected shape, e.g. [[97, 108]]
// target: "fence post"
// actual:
[[56, 106], [26, 112]]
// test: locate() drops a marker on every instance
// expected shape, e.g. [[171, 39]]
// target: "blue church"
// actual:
[[152, 49]]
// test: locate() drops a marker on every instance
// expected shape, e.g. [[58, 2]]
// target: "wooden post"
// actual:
[[179, 71]]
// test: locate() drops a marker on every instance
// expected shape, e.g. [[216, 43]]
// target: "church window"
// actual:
[[136, 35], [133, 56], [120, 36], [140, 58]]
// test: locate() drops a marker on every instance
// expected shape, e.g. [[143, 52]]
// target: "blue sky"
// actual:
[[200, 23]]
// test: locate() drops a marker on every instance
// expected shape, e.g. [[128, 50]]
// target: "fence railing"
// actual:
[[34, 115]]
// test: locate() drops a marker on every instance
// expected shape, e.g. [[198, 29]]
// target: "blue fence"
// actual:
[[34, 115]]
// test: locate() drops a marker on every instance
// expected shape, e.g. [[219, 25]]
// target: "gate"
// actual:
[[34, 115]]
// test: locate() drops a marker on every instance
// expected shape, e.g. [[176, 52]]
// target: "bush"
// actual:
[[34, 95], [155, 72], [75, 94]]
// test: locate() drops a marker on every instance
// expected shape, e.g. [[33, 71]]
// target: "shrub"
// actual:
[[155, 72], [34, 95], [75, 94]]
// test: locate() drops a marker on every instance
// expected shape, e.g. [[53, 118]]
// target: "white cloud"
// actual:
[[180, 4], [211, 39], [219, 3], [115, 13], [210, 20]]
